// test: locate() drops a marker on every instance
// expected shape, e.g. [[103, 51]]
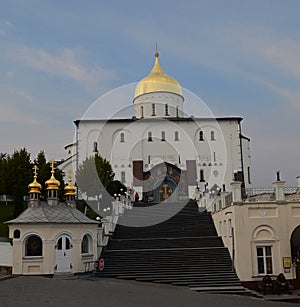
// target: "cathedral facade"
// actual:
[[159, 151]]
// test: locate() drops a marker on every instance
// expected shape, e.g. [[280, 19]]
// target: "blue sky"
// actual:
[[240, 57]]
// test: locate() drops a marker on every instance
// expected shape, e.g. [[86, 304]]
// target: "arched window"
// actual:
[[86, 245], [177, 111], [201, 137], [122, 137], [163, 135], [95, 147], [17, 234], [142, 111], [33, 246], [123, 177], [166, 109], [212, 136], [249, 174], [153, 109], [202, 175], [176, 136], [150, 136]]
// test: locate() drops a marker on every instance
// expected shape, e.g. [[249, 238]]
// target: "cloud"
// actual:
[[283, 54], [64, 63]]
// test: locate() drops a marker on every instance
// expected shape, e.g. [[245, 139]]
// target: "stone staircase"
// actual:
[[183, 250]]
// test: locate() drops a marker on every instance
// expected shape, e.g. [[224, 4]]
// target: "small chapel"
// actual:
[[52, 237]]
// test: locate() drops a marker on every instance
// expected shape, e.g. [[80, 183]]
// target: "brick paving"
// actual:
[[43, 292]]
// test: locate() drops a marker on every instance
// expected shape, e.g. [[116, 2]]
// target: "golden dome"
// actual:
[[52, 183], [34, 187], [157, 81], [70, 189]]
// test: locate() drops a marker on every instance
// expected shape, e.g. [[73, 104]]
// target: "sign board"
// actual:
[[101, 264], [286, 261]]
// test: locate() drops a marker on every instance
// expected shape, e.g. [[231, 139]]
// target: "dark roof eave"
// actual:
[[178, 119]]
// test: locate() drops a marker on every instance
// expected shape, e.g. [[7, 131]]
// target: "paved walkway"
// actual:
[[43, 292]]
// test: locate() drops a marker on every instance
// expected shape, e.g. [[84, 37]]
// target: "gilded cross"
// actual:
[[52, 166], [35, 168]]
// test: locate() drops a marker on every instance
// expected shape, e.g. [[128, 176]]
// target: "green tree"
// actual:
[[19, 175], [3, 173], [94, 176]]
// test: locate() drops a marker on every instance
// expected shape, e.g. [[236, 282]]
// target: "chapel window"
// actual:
[[150, 136], [176, 136], [33, 246], [17, 234], [163, 135], [68, 243], [86, 244], [122, 137]]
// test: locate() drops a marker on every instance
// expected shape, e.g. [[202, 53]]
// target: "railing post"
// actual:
[[236, 191], [279, 190]]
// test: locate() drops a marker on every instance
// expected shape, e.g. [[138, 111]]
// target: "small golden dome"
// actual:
[[52, 183], [157, 81], [70, 189], [34, 187]]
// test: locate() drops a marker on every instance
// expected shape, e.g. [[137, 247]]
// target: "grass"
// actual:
[[6, 213]]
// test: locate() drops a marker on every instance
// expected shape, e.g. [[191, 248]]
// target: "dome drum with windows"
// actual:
[[158, 94]]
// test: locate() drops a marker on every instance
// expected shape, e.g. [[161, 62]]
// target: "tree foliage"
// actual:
[[94, 176], [16, 173]]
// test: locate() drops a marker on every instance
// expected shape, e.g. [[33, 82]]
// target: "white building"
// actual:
[[159, 150], [261, 228], [52, 237]]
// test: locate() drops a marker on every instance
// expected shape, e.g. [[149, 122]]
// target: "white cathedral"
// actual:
[[160, 151]]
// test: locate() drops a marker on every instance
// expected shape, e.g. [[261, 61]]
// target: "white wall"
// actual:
[[5, 254]]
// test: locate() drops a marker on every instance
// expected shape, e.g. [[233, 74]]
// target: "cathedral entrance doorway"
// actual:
[[164, 182], [63, 254]]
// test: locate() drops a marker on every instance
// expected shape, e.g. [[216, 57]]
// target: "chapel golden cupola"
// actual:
[[52, 183], [52, 187], [34, 190], [70, 190], [34, 187]]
